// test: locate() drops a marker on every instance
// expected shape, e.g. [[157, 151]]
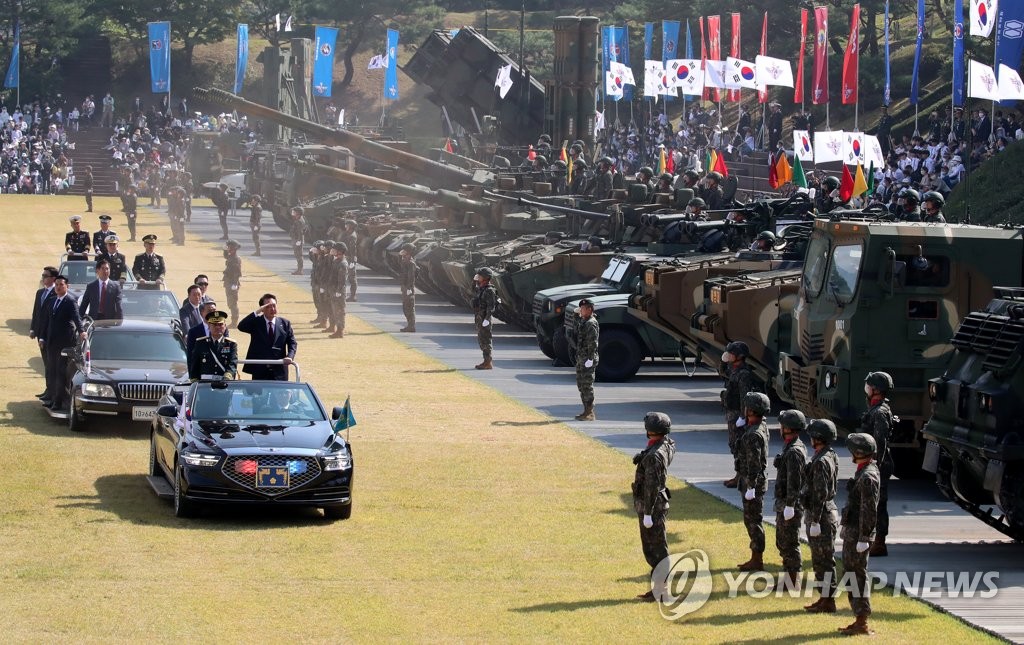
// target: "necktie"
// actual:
[[56, 305], [46, 294], [270, 330], [102, 283]]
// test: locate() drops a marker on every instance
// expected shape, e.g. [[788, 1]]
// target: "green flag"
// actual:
[[346, 420], [799, 178], [871, 179]]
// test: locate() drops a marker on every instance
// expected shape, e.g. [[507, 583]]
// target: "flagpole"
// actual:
[[995, 68]]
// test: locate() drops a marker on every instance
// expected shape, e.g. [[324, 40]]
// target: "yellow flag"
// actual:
[[712, 160], [661, 162], [860, 185]]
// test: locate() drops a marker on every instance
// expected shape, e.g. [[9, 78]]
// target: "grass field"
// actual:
[[475, 518]]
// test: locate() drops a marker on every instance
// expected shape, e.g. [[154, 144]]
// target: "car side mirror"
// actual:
[[337, 412], [168, 410]]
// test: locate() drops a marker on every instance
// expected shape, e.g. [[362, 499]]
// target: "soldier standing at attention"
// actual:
[[186, 183], [88, 182], [820, 514], [878, 422], [99, 244], [255, 215], [118, 263], [76, 241], [131, 208], [216, 354], [484, 304], [586, 357], [751, 470], [650, 496], [327, 275], [232, 276], [351, 240], [221, 201], [149, 268], [604, 179], [297, 233], [176, 214], [340, 268], [859, 517], [407, 282], [789, 467], [739, 381], [316, 259]]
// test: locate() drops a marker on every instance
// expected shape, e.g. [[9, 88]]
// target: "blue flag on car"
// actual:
[[13, 77], [160, 57], [241, 57], [391, 73], [347, 419], [323, 62]]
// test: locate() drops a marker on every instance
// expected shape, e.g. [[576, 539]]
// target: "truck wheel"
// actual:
[[546, 346], [560, 345], [907, 462], [619, 355]]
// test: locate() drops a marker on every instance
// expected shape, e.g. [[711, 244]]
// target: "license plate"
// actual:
[[272, 477], [143, 413]]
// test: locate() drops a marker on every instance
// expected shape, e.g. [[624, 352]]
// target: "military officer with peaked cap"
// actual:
[[118, 263], [216, 354], [100, 236], [148, 267], [77, 241]]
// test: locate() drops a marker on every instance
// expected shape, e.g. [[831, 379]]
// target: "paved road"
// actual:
[[927, 532]]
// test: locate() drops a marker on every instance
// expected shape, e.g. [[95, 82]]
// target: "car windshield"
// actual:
[[149, 303], [265, 401], [845, 271], [116, 344], [814, 265], [79, 272]]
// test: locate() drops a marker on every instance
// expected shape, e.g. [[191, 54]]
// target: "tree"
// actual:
[[259, 14], [48, 34]]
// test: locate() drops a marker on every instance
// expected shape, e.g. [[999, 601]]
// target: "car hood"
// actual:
[[231, 437], [575, 291], [139, 371]]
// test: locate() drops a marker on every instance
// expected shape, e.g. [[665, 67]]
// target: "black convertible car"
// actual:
[[249, 442]]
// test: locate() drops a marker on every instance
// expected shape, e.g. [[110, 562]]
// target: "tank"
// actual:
[[973, 435]]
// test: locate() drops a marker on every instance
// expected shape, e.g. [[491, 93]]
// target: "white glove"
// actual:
[[788, 513], [749, 495], [485, 323], [862, 547], [299, 243], [351, 265], [338, 295], [321, 291], [814, 530], [648, 522], [742, 421], [234, 287], [588, 363]]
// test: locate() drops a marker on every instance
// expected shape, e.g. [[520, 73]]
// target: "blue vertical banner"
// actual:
[[323, 62], [958, 53], [622, 52], [669, 39], [160, 57], [391, 73], [887, 90], [648, 40], [13, 77], [914, 80], [689, 42], [1009, 36], [241, 56]]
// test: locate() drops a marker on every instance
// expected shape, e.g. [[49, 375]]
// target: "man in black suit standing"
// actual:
[[38, 324], [271, 338], [102, 299], [63, 329], [191, 313]]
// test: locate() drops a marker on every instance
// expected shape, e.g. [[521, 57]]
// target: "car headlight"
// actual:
[[193, 458], [100, 390], [338, 461]]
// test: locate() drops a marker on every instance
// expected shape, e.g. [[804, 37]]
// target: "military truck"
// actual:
[[973, 435]]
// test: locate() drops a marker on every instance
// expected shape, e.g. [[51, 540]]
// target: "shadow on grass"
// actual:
[[688, 504], [31, 416], [576, 605], [835, 621]]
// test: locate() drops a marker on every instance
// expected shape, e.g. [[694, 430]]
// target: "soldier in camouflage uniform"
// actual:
[[878, 422], [176, 214], [588, 331], [316, 255], [297, 233], [650, 496], [255, 221], [336, 229], [186, 183], [232, 276], [131, 208], [711, 192], [751, 461], [859, 519], [407, 282], [340, 267], [484, 303], [820, 514], [351, 240], [739, 381], [327, 275], [220, 199], [604, 180], [789, 467]]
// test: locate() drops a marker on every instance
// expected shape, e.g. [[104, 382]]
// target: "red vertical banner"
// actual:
[[851, 61], [762, 94], [798, 86], [734, 51], [715, 47], [819, 80], [703, 57]]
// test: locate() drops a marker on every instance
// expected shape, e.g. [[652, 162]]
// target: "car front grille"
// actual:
[[298, 475], [150, 392]]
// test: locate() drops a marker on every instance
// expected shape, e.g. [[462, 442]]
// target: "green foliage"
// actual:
[[49, 33], [994, 190], [538, 50]]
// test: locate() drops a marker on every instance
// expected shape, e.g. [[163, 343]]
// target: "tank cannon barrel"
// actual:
[[446, 176], [661, 219], [442, 197], [548, 206]]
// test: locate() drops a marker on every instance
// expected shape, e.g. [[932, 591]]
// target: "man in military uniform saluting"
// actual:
[[118, 263], [650, 497], [76, 241], [216, 354], [859, 520], [588, 331], [149, 268], [99, 237], [484, 303], [751, 472], [789, 467], [820, 514], [219, 196], [878, 422], [232, 276], [739, 381], [297, 233], [407, 281]]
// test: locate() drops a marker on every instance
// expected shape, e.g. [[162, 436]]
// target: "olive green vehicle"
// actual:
[[973, 434]]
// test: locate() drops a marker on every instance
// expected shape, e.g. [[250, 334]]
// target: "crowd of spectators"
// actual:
[[36, 155]]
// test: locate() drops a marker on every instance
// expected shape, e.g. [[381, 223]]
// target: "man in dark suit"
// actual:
[[271, 338], [102, 299], [63, 329], [38, 324], [191, 313]]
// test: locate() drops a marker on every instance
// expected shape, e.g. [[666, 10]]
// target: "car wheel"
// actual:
[[339, 512], [560, 345], [620, 356], [546, 346], [76, 420], [182, 506]]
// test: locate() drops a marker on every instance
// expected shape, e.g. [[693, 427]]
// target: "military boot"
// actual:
[[878, 548], [730, 483], [755, 563], [588, 413], [788, 581], [408, 328], [486, 365], [823, 606], [338, 334], [858, 627]]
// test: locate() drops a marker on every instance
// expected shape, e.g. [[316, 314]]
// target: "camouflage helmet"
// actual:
[[559, 167], [485, 272], [822, 430], [540, 160], [738, 348], [647, 170], [717, 176], [544, 137], [328, 244], [341, 246], [697, 202], [350, 222], [766, 236], [830, 182], [934, 196], [318, 243], [692, 174], [666, 176], [757, 403], [408, 248], [793, 420], [657, 422], [881, 381], [910, 195], [576, 147], [606, 160], [580, 163], [861, 444]]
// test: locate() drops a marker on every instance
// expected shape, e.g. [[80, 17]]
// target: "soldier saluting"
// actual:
[[650, 497], [232, 276], [76, 241], [216, 354], [149, 268]]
